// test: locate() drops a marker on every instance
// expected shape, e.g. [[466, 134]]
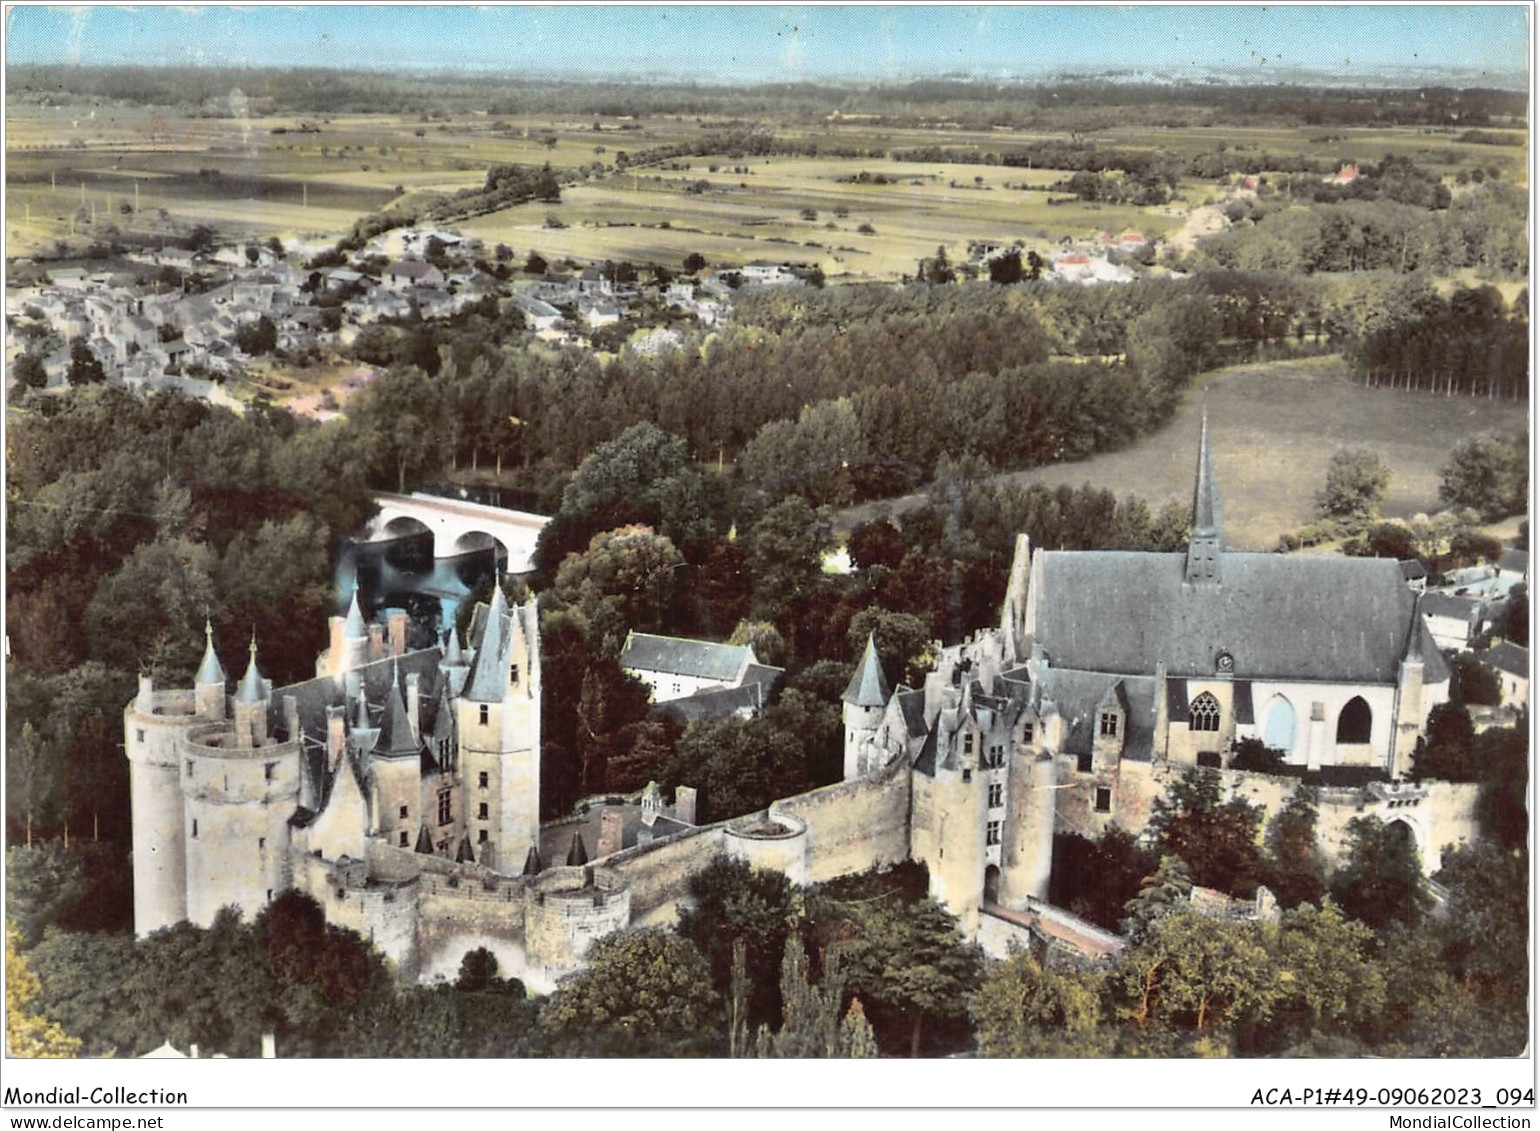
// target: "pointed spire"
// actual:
[[868, 686], [211, 670], [361, 718], [577, 855], [464, 854], [251, 689], [1207, 542], [452, 654], [1207, 514], [355, 628], [396, 728], [499, 601], [424, 841], [532, 864]]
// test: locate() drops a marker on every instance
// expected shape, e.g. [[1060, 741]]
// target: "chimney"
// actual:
[[684, 804], [413, 692], [376, 642], [396, 622], [335, 736], [612, 825], [291, 717], [337, 651], [146, 704]]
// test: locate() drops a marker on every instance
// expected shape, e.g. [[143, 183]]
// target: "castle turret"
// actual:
[[240, 784], [866, 698], [498, 715], [209, 683], [396, 766]]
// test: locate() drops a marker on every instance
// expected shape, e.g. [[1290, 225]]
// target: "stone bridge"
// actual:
[[459, 527]]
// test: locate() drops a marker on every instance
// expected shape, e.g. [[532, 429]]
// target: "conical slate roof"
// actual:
[[577, 855], [355, 627], [868, 687], [488, 678], [453, 656], [424, 841], [532, 863], [464, 854], [211, 670], [251, 689], [396, 736]]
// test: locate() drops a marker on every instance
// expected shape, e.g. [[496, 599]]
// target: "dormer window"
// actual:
[[968, 743], [1109, 728]]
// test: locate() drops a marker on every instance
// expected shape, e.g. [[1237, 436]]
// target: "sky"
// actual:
[[1486, 44]]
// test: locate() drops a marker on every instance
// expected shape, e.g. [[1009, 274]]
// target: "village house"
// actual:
[[1453, 621], [673, 667]]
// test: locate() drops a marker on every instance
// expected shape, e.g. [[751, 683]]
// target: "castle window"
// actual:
[[485, 714], [968, 743], [481, 811], [1026, 732], [481, 837], [139, 735], [967, 776], [195, 828], [513, 673], [404, 843], [189, 767], [1104, 800], [444, 814], [403, 812], [261, 842], [1083, 763], [268, 770], [1355, 722], [481, 779], [1109, 724], [996, 795], [992, 833], [1204, 713]]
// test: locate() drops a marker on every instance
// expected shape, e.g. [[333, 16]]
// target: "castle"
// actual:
[[401, 788]]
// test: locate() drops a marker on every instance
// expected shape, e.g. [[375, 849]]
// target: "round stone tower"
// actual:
[[240, 784], [866, 699], [155, 726]]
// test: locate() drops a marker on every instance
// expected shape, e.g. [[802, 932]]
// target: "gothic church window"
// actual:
[[1204, 713], [1355, 722]]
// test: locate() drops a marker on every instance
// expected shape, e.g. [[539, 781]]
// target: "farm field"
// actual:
[[1274, 428]]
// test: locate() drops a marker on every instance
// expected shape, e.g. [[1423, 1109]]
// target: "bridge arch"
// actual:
[[472, 541]]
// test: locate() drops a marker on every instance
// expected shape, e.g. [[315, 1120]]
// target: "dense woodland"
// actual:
[[1069, 104]]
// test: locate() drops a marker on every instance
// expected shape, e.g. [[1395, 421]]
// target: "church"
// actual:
[[1113, 673]]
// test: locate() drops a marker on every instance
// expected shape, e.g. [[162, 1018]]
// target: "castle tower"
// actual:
[[155, 724], [349, 642], [866, 698], [499, 733], [1203, 549], [240, 783], [396, 769]]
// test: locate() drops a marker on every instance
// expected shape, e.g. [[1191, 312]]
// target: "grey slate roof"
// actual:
[[1467, 609], [1078, 694], [912, 705], [1507, 657], [488, 671], [211, 670], [1300, 617], [868, 687], [396, 738], [677, 656], [251, 689], [717, 703]]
